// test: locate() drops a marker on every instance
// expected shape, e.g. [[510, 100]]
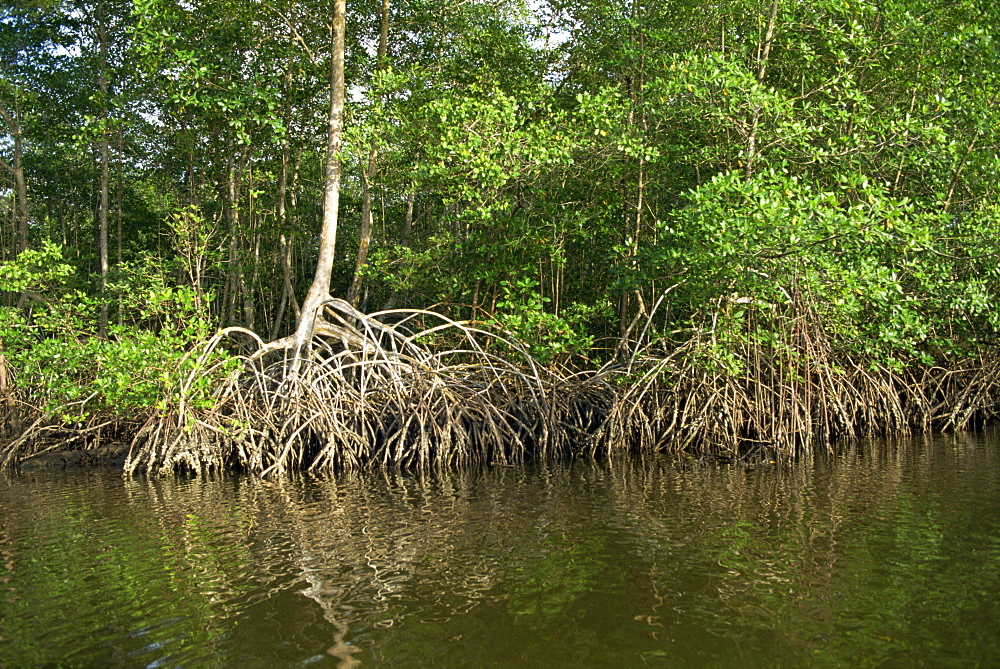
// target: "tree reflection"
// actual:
[[883, 556]]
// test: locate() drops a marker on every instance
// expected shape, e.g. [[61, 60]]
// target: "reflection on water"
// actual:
[[886, 559]]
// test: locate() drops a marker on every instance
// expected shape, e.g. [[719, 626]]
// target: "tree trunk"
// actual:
[[404, 239], [319, 291], [234, 278], [764, 54], [119, 194], [636, 84], [290, 275], [253, 244], [22, 195], [16, 170], [365, 234], [104, 149], [13, 417], [283, 249]]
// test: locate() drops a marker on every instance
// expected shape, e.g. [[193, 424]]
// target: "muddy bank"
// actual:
[[112, 457]]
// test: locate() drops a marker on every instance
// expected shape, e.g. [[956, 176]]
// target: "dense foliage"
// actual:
[[583, 174]]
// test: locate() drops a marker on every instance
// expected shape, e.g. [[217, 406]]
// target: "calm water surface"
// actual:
[[885, 558]]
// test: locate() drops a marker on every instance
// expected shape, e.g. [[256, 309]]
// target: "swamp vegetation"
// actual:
[[339, 235]]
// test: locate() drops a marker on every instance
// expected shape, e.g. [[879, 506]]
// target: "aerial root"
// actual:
[[424, 391], [791, 395], [414, 389]]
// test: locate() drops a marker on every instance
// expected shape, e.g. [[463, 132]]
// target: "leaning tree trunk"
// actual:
[[385, 398]]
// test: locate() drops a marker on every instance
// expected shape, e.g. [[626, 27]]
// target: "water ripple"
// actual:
[[887, 556]]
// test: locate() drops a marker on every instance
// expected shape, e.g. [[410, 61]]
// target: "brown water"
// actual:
[[886, 559]]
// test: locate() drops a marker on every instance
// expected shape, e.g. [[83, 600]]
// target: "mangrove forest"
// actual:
[[276, 236]]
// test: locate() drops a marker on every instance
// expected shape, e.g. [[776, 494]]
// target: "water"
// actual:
[[878, 558]]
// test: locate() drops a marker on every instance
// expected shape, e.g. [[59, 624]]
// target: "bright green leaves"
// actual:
[[522, 312], [40, 271], [486, 139], [198, 55], [70, 372], [533, 183], [887, 277]]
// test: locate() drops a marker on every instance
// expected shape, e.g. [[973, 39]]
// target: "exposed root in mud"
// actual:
[[46, 433], [420, 392], [790, 396], [412, 389]]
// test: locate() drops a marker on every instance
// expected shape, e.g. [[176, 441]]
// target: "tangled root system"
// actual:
[[413, 389], [424, 391]]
